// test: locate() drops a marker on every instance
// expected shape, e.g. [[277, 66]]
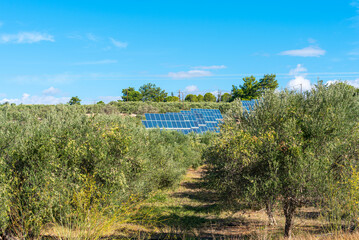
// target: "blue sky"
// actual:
[[52, 50]]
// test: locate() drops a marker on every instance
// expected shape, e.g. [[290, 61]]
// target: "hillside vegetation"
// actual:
[[61, 165], [91, 171]]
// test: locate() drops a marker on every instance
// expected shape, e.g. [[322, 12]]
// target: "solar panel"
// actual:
[[194, 120], [248, 105]]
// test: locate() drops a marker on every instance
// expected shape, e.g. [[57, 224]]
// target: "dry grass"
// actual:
[[191, 212]]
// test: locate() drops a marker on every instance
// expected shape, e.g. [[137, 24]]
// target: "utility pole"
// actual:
[[183, 100], [219, 95], [179, 95], [301, 88]]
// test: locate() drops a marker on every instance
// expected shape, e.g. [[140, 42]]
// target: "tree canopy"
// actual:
[[209, 97], [191, 98], [172, 99], [130, 95], [291, 148], [253, 89], [226, 97], [75, 101], [200, 98], [152, 93]]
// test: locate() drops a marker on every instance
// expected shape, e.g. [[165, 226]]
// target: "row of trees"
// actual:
[[293, 150], [251, 89]]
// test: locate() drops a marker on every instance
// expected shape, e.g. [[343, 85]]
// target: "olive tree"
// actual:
[[282, 151]]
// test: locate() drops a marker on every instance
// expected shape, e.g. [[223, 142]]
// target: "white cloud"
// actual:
[[298, 70], [51, 91], [210, 67], [190, 74], [311, 51], [299, 82], [354, 83], [28, 99], [215, 93], [330, 82], [26, 37], [118, 43], [191, 88], [100, 62]]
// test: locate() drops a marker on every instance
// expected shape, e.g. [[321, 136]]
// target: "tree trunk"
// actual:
[[289, 207], [269, 210]]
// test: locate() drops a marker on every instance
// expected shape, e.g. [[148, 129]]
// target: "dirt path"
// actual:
[[191, 211]]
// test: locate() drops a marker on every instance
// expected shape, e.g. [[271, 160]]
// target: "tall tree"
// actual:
[[172, 99], [268, 82], [191, 98], [288, 149], [209, 97], [152, 93], [75, 101], [226, 97], [200, 98], [247, 91], [130, 95], [253, 89]]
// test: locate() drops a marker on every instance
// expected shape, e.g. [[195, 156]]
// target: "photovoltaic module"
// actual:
[[195, 120]]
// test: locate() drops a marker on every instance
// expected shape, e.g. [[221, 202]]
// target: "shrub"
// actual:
[[284, 150], [44, 160]]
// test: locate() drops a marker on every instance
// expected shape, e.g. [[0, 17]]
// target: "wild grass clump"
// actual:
[[66, 162]]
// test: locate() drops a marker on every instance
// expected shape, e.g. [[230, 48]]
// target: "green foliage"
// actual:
[[47, 151], [226, 97], [75, 101], [172, 99], [289, 148], [200, 98], [209, 97], [253, 89], [268, 82], [100, 103], [130, 94], [152, 93], [248, 91], [191, 98]]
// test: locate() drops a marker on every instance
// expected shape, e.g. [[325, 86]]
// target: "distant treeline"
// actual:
[[251, 89]]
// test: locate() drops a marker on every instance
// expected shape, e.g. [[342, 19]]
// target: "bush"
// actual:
[[290, 148], [47, 151]]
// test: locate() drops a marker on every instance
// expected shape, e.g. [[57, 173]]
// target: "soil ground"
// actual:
[[192, 212]]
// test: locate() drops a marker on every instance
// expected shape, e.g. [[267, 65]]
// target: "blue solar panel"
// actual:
[[194, 120], [248, 105]]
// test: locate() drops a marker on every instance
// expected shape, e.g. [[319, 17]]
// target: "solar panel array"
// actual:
[[248, 105], [195, 120]]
